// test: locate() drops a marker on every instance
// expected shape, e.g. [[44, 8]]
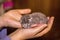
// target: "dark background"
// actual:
[[48, 7]]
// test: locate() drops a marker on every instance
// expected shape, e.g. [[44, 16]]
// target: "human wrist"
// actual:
[[1, 22], [15, 38]]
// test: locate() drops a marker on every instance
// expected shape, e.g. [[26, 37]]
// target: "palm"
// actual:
[[12, 18], [33, 32]]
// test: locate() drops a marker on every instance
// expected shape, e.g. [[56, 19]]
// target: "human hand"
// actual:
[[12, 18], [22, 34], [47, 29]]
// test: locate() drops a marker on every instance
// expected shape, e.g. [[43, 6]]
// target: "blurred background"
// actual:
[[48, 7]]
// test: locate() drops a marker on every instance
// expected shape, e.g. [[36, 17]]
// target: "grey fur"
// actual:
[[34, 18]]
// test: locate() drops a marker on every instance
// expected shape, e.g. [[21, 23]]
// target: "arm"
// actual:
[[6, 20], [12, 19], [1, 23], [33, 32]]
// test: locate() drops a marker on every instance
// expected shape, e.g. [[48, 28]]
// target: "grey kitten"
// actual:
[[34, 18]]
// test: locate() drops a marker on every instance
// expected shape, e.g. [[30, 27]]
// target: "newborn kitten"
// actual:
[[34, 18]]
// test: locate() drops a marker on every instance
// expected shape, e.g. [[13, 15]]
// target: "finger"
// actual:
[[32, 31], [39, 28], [50, 23], [14, 24], [15, 14], [20, 11], [24, 11]]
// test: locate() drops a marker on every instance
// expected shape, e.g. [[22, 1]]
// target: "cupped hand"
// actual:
[[12, 18], [22, 34]]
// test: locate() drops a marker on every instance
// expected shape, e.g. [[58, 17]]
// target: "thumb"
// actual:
[[20, 11], [24, 11]]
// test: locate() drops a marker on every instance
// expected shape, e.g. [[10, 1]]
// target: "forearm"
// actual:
[[15, 37], [1, 22]]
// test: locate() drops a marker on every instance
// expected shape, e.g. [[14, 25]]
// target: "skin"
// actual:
[[12, 18]]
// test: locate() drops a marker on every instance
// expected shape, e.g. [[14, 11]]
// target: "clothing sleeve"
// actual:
[[3, 35], [6, 38], [8, 5]]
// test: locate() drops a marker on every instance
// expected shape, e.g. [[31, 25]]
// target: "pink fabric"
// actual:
[[7, 5], [3, 34]]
